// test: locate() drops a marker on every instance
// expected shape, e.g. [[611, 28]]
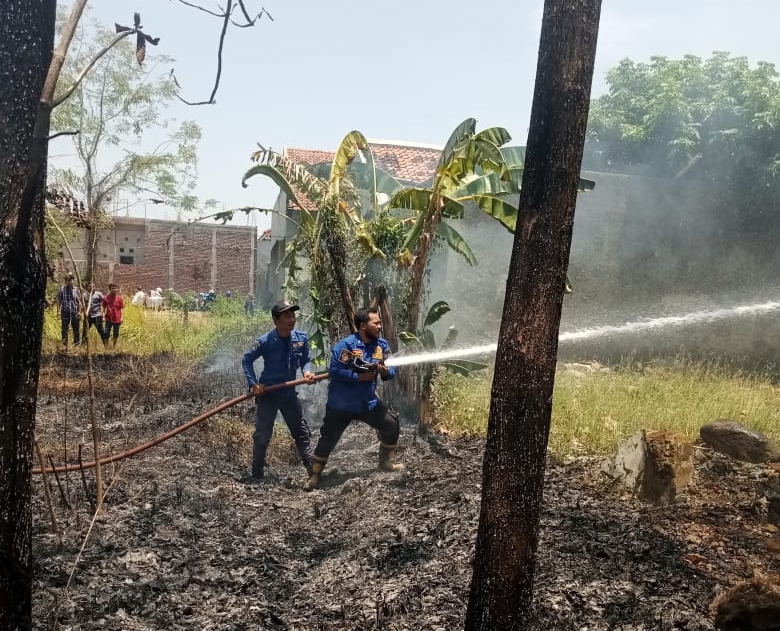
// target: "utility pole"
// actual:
[[521, 396]]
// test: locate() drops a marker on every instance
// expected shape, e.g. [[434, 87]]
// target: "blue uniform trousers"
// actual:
[[265, 415]]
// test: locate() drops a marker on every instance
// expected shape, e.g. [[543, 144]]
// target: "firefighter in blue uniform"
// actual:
[[284, 350], [356, 363]]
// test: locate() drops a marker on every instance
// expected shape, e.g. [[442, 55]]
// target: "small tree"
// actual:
[[112, 111], [471, 169]]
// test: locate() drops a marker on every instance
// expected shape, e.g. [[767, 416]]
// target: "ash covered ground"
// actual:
[[182, 544]]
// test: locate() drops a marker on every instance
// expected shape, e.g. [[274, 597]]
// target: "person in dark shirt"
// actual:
[[356, 363], [93, 299], [68, 307], [249, 305], [284, 350]]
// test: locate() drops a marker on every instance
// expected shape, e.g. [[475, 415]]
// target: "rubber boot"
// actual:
[[315, 474], [386, 458]]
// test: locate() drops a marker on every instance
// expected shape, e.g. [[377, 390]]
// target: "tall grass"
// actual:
[[225, 327], [594, 411]]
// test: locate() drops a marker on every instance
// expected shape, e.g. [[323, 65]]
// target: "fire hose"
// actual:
[[178, 430]]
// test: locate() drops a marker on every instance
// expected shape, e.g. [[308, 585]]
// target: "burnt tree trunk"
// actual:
[[521, 397], [26, 41]]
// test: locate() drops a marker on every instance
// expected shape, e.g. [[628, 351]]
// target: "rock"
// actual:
[[656, 465], [735, 440], [749, 606], [669, 466], [628, 464]]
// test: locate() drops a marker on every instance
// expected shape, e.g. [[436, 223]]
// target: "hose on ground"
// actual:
[[178, 430]]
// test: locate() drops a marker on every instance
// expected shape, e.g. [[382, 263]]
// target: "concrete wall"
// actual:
[[641, 248]]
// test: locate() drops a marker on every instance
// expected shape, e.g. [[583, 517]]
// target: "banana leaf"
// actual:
[[277, 176], [496, 135], [437, 310], [487, 184], [353, 142], [385, 183], [419, 199], [465, 130], [409, 338], [513, 156], [500, 209], [464, 367], [456, 242], [449, 341]]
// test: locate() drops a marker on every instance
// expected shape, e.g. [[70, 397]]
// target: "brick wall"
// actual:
[[204, 257]]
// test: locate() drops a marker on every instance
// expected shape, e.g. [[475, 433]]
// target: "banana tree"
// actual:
[[474, 167], [471, 168], [425, 340], [329, 199]]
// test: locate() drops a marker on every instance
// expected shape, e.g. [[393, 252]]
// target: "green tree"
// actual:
[[718, 118], [471, 169], [115, 110]]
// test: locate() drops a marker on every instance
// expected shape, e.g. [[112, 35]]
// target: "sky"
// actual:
[[401, 70]]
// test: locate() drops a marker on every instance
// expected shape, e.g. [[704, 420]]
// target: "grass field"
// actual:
[[594, 411]]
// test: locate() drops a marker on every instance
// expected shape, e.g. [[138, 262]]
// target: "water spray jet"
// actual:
[[695, 317]]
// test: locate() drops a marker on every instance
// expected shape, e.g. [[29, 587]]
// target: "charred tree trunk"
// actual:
[[26, 41], [521, 397]]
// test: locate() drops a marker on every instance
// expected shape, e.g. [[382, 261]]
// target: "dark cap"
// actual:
[[280, 307]]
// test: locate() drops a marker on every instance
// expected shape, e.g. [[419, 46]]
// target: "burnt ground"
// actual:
[[182, 544]]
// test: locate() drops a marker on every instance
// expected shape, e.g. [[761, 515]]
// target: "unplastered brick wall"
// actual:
[[205, 257]]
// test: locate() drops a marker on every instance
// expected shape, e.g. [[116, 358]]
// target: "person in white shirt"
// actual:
[[139, 298], [155, 300]]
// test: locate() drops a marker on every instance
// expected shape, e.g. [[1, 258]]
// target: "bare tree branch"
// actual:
[[64, 133], [117, 38], [200, 8], [227, 19]]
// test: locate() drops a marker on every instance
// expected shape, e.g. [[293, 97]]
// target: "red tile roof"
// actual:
[[414, 164], [408, 163], [404, 162], [308, 156]]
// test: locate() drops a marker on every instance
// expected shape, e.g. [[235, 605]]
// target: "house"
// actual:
[[174, 255]]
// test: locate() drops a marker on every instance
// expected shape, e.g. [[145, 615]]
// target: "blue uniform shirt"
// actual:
[[282, 357], [345, 392]]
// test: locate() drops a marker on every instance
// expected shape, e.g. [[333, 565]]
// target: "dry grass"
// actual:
[[230, 440], [594, 411]]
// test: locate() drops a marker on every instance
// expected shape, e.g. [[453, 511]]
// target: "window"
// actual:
[[126, 260]]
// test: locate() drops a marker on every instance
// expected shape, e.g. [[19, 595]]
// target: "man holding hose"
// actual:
[[284, 350], [356, 363]]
